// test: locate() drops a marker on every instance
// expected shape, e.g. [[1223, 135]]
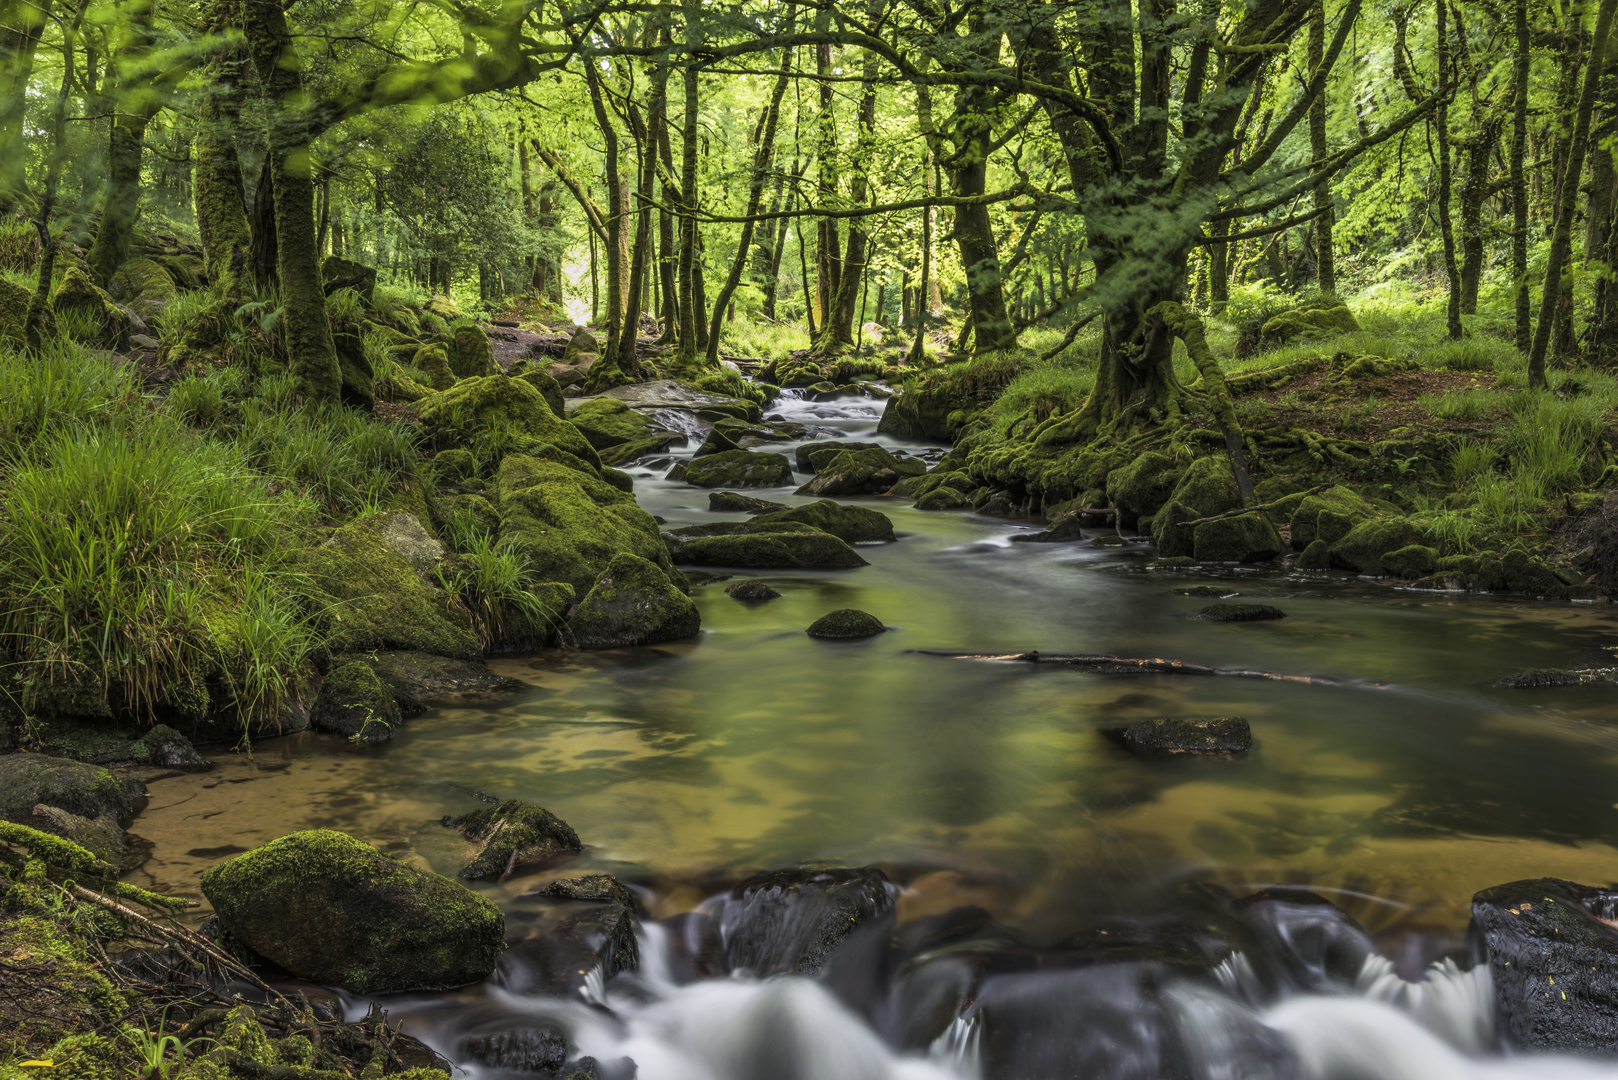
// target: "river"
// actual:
[[1396, 783]]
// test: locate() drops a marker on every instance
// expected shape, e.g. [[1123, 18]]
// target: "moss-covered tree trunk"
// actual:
[[136, 105], [1520, 59], [22, 22], [1446, 228], [306, 331], [1474, 193], [1325, 265]]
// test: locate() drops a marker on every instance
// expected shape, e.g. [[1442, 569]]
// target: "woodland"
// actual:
[[339, 338]]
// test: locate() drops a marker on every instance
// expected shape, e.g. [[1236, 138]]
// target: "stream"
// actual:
[[1396, 785]]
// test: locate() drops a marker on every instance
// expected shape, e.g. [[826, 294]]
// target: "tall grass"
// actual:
[[496, 583], [57, 389]]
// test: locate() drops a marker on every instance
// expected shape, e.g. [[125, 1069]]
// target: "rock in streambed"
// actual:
[[511, 835], [846, 623], [1220, 735]]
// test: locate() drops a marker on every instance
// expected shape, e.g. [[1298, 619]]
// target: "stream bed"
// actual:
[[1396, 784]]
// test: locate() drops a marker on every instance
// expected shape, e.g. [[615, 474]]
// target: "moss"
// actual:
[[513, 834], [943, 498], [1317, 556], [27, 780], [719, 441], [846, 623], [1365, 546], [751, 590], [571, 525], [1328, 515], [854, 472], [851, 524], [454, 465], [146, 285], [468, 507], [76, 292], [470, 354], [1525, 573], [618, 479], [814, 456], [352, 702], [761, 546], [443, 307], [729, 502], [373, 598], [608, 422], [548, 388], [1410, 562], [1294, 324], [358, 379], [1245, 538], [433, 362], [504, 415], [1144, 484], [1207, 488], [632, 603], [337, 272], [739, 469], [330, 908], [14, 313]]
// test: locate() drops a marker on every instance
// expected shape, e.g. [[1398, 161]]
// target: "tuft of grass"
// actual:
[[1470, 354], [1471, 404], [772, 341], [1472, 459], [495, 581], [60, 388]]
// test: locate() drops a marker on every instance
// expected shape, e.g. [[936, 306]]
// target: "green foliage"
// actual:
[[1472, 404], [1469, 354], [1472, 459], [60, 388], [496, 583]]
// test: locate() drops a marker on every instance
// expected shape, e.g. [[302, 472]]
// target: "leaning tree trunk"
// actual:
[[307, 333]]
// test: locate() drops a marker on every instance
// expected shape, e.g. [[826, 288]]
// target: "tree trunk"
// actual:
[[1521, 56], [1441, 123], [690, 314], [1479, 150], [110, 249], [217, 190], [310, 352], [1325, 267], [1567, 196], [22, 22]]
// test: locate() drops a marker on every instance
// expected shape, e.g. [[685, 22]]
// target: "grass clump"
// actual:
[[496, 583]]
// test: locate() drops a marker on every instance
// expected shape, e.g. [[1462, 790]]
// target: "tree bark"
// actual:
[[22, 22], [136, 107], [1441, 123], [1474, 191], [1325, 267], [1521, 56]]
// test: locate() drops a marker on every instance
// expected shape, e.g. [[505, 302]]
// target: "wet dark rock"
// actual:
[[329, 908], [632, 603], [943, 498], [353, 703], [718, 442], [1540, 678], [530, 1049], [1552, 950], [589, 887], [1066, 528], [751, 590], [1239, 613], [100, 743], [791, 921], [417, 680], [1302, 942], [1212, 592], [851, 524], [729, 502], [869, 471], [846, 623], [1220, 735], [568, 945], [82, 803], [812, 457], [510, 835]]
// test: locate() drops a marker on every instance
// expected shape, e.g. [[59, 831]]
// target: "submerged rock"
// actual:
[[791, 921], [1552, 951], [542, 1048], [729, 502], [755, 545], [739, 469], [329, 908], [353, 703], [751, 590], [574, 942], [632, 603], [511, 835], [1539, 678], [590, 887], [1212, 592], [846, 623], [1220, 735], [851, 524], [417, 681], [1239, 613]]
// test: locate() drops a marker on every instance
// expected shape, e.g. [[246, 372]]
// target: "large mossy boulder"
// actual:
[[337, 272], [570, 524], [1242, 538], [375, 595], [1292, 325], [923, 413], [1552, 952], [632, 603], [77, 293], [813, 456], [846, 623], [583, 341], [756, 545], [499, 414], [145, 285], [433, 363], [14, 313], [1328, 515], [548, 388], [511, 835], [331, 909], [855, 472], [739, 469], [1207, 488], [470, 354], [82, 803], [1367, 546], [620, 433], [353, 703], [851, 524], [1144, 484]]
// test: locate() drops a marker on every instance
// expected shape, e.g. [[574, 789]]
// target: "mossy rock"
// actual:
[[1219, 735], [571, 525], [1525, 573], [470, 354], [1207, 488], [1365, 547], [854, 472], [375, 598], [944, 498], [632, 603], [82, 803], [1239, 613], [793, 373], [851, 524], [719, 441], [1411, 562], [619, 432], [729, 502], [770, 545], [76, 292], [358, 386], [582, 341], [1291, 325], [353, 703], [751, 591], [739, 469], [453, 466], [926, 412], [433, 362], [101, 743], [417, 681], [1328, 515], [846, 623], [146, 286], [443, 307], [1244, 538], [1317, 556], [511, 835], [337, 272], [813, 456], [1144, 484], [503, 416], [548, 388], [14, 313], [331, 909]]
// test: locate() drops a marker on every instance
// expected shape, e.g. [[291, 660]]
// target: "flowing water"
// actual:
[[1396, 782]]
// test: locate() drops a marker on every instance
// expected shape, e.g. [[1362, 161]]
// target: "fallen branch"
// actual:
[[1240, 510], [1131, 663], [55, 851]]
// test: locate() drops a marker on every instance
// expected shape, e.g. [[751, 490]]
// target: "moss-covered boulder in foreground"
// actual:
[[82, 803], [1328, 515], [433, 362], [77, 293], [846, 623], [739, 469], [620, 433], [510, 835], [1411, 562], [1244, 538], [353, 703], [1207, 488], [504, 415], [145, 285], [1291, 325], [632, 603], [855, 472], [1144, 484], [470, 355], [755, 545], [14, 313], [373, 597], [571, 525], [334, 910], [1366, 546], [851, 524]]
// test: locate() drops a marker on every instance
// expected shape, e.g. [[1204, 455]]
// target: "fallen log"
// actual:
[[1127, 665]]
